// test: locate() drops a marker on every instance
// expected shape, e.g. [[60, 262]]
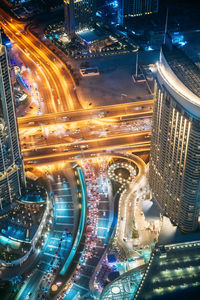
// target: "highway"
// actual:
[[56, 79], [133, 110], [33, 76], [136, 142], [75, 132], [60, 106]]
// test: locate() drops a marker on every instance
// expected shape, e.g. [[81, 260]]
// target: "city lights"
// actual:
[[99, 149]]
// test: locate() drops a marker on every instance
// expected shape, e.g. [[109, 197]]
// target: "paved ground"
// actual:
[[114, 85], [116, 74]]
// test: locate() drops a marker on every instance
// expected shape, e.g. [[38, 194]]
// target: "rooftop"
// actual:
[[90, 36], [184, 68], [172, 269]]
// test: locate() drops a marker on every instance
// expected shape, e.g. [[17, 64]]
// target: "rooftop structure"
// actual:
[[172, 269]]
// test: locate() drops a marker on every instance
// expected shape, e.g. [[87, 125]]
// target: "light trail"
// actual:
[[62, 83], [40, 70]]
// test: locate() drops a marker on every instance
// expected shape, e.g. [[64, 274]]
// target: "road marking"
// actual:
[[102, 247], [64, 202], [101, 201], [103, 219], [87, 265], [49, 254], [63, 209], [69, 224], [86, 276], [52, 246], [103, 228], [81, 287], [71, 217], [101, 237], [62, 189]]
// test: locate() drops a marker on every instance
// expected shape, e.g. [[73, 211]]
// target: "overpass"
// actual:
[[133, 110], [137, 142]]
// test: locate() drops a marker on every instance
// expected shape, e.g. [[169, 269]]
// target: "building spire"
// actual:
[[166, 25]]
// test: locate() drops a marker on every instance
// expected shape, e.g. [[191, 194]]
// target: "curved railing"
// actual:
[[80, 227]]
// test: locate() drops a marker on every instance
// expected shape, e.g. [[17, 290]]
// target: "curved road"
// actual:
[[56, 75]]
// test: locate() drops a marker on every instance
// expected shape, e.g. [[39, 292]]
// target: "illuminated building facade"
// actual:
[[69, 17], [12, 176], [135, 8], [175, 144], [79, 15]]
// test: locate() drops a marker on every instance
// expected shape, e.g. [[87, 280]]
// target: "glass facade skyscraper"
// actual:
[[175, 145], [79, 14], [12, 176], [134, 8], [69, 17]]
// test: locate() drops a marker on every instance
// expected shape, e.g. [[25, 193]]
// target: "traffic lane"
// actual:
[[37, 76], [136, 110], [95, 144], [75, 103], [134, 148], [31, 286], [52, 70], [19, 27], [97, 251], [69, 144], [34, 56], [45, 120], [78, 133]]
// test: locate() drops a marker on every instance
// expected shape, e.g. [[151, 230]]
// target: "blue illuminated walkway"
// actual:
[[80, 227]]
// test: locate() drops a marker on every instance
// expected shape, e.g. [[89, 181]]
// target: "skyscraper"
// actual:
[[12, 177], [79, 14], [175, 144], [134, 8], [69, 17]]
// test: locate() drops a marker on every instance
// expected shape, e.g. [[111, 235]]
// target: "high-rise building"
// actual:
[[175, 144], [69, 17], [79, 14], [135, 8], [12, 176]]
